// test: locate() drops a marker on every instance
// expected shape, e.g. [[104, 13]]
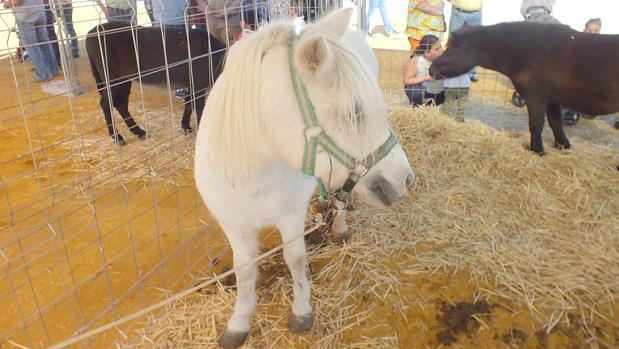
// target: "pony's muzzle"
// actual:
[[409, 180], [387, 192]]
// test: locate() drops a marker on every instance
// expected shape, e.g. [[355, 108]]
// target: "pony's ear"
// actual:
[[314, 57], [337, 22]]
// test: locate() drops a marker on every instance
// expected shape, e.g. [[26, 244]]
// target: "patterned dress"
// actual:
[[419, 23]]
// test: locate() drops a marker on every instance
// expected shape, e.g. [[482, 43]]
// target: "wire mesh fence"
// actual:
[[90, 230]]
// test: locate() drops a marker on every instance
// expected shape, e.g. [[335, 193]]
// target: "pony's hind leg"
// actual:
[[121, 103], [104, 102], [244, 244], [553, 113], [292, 228], [537, 109]]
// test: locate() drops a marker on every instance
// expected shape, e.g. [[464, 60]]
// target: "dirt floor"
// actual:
[[88, 229]]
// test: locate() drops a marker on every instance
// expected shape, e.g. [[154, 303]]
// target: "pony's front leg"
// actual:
[[244, 247], [292, 229], [187, 113]]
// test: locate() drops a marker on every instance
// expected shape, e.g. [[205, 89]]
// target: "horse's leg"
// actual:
[[292, 228], [104, 102], [556, 124], [187, 113], [121, 103], [244, 244], [200, 101], [537, 109]]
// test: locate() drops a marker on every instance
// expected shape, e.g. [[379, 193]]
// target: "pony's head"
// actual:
[[264, 123], [459, 57]]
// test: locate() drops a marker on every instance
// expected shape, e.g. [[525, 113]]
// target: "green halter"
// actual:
[[315, 135]]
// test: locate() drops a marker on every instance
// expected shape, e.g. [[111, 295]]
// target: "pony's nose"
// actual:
[[385, 191], [409, 179]]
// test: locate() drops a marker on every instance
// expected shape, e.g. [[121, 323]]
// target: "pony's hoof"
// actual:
[[187, 130], [562, 146], [231, 340], [341, 237], [141, 135], [118, 139], [300, 324]]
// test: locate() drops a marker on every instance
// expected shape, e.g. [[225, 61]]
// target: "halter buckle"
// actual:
[[312, 132]]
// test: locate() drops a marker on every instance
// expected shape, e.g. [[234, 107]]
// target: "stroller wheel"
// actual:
[[518, 100], [570, 117]]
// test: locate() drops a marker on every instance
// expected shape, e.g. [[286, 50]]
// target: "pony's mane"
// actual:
[[236, 139]]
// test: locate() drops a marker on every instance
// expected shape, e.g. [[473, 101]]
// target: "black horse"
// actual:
[[112, 52], [549, 64]]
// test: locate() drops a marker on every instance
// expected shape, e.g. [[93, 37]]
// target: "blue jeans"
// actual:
[[382, 7], [123, 16], [51, 32], [67, 13], [34, 37], [457, 21], [417, 95]]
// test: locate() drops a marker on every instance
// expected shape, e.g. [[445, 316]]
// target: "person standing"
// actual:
[[122, 11], [30, 20], [594, 25], [425, 17], [67, 17], [381, 5], [170, 13], [538, 11], [419, 86], [223, 19], [469, 12]]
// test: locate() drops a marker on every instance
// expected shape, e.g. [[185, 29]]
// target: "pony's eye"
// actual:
[[357, 115]]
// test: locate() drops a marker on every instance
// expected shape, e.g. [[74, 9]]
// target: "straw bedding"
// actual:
[[539, 233], [166, 154]]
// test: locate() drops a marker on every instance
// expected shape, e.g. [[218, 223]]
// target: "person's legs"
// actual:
[[462, 98], [49, 59], [456, 22], [414, 94], [372, 5], [67, 11], [450, 101], [51, 32], [437, 98], [121, 15], [382, 7], [28, 36]]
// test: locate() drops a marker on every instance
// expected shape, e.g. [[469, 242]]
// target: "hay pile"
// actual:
[[161, 158], [539, 232]]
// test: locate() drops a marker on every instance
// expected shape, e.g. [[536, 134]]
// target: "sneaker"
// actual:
[[182, 93], [395, 35], [474, 78]]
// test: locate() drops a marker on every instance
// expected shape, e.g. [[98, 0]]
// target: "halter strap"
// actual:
[[315, 135]]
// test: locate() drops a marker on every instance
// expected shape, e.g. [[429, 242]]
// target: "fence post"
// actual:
[[361, 14], [73, 85]]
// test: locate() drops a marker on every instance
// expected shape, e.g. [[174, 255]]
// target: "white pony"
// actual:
[[253, 147]]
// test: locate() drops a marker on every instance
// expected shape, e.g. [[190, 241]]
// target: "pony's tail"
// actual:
[[96, 75], [91, 42]]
